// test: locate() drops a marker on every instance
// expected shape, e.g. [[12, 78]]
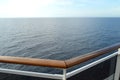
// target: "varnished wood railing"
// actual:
[[33, 61], [58, 63]]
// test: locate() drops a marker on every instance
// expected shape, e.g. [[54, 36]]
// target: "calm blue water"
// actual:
[[55, 38]]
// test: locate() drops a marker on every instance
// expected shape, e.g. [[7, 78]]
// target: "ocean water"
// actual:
[[55, 38]]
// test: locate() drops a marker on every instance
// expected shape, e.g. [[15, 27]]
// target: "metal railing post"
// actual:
[[64, 74], [117, 70]]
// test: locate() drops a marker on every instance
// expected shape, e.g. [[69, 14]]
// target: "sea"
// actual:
[[54, 38]]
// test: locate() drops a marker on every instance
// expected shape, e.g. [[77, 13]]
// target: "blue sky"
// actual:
[[59, 8]]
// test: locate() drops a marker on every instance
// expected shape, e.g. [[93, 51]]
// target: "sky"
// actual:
[[59, 8]]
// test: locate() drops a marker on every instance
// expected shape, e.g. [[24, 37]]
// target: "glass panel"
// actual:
[[19, 77], [5, 76], [102, 71]]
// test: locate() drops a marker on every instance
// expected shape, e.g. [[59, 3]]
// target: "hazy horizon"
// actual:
[[59, 8]]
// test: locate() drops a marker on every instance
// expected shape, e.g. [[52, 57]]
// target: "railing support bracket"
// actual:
[[64, 74], [117, 70]]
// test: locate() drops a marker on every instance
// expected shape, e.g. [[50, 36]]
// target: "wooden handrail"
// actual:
[[33, 61], [91, 55], [58, 63]]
